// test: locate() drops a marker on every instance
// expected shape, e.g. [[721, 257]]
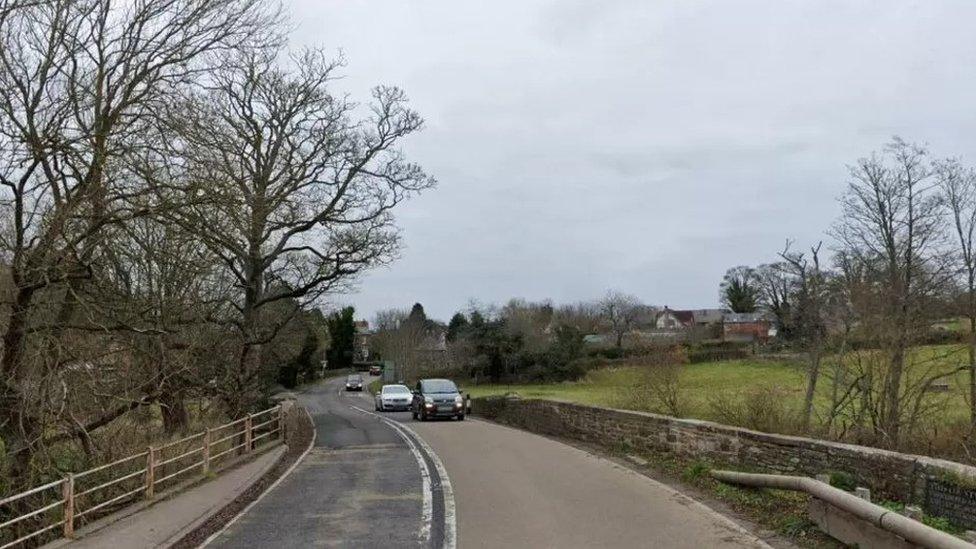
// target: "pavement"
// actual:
[[385, 480], [165, 522]]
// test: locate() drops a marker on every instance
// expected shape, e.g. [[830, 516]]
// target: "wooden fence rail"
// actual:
[[124, 479]]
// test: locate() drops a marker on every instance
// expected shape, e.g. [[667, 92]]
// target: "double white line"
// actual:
[[427, 515]]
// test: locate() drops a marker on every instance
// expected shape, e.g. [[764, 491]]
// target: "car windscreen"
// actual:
[[354, 378], [396, 390], [439, 386]]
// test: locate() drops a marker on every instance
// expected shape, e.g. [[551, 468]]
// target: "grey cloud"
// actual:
[[640, 145]]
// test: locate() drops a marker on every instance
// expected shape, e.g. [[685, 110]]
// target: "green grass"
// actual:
[[952, 324], [735, 379]]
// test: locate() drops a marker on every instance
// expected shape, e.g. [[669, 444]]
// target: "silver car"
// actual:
[[393, 397]]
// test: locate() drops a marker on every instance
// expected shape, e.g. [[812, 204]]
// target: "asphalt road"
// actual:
[[360, 486], [384, 480]]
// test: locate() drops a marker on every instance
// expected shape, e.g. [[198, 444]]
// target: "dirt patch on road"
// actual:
[[300, 431]]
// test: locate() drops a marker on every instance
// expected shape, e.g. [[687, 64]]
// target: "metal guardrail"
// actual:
[[123, 479], [886, 519]]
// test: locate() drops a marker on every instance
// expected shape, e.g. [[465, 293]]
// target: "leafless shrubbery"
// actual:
[[658, 387], [763, 408]]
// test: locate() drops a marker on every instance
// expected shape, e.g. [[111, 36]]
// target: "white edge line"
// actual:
[[427, 506], [450, 515], [244, 511]]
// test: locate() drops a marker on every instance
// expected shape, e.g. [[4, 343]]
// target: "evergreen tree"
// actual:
[[342, 336], [417, 315], [457, 326]]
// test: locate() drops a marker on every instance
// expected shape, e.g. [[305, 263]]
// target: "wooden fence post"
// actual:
[[281, 424], [68, 492], [150, 473], [248, 435], [206, 451]]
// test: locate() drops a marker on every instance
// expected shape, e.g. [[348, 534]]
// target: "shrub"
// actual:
[[844, 481], [696, 470], [656, 389], [763, 408], [696, 356]]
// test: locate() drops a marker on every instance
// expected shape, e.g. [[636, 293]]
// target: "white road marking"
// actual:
[[244, 511], [427, 506], [450, 515]]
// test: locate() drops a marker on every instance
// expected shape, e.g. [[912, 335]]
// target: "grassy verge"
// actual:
[[779, 511], [374, 386]]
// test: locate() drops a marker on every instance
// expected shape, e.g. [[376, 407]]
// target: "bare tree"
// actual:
[[958, 186], [80, 82], [809, 324], [892, 225], [584, 316], [776, 290], [299, 193], [530, 322], [619, 311]]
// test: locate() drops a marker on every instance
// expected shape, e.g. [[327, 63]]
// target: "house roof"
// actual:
[[709, 316], [744, 318], [684, 317]]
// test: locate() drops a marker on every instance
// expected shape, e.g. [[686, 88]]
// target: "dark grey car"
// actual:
[[437, 398], [354, 383]]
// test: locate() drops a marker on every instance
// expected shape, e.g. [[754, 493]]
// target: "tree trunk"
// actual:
[[892, 419], [813, 374], [15, 337], [972, 371], [19, 429], [173, 409]]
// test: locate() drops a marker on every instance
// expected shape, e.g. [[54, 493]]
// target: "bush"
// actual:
[[697, 469], [656, 389], [697, 356], [763, 408], [610, 353], [842, 480]]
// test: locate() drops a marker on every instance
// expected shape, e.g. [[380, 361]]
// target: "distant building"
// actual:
[[747, 327], [708, 317], [361, 341], [670, 319]]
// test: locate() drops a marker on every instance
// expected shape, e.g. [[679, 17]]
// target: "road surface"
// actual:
[[385, 480]]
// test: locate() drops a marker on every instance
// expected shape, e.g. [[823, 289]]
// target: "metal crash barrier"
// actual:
[[885, 519]]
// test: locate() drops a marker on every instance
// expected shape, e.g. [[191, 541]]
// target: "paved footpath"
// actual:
[[167, 521]]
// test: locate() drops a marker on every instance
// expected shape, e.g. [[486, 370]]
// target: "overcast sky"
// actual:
[[636, 145]]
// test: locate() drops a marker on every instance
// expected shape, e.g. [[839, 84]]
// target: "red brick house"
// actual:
[[746, 327]]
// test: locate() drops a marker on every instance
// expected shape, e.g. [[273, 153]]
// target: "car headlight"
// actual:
[[458, 400]]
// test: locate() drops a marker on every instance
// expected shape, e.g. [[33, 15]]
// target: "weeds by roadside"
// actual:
[[782, 512]]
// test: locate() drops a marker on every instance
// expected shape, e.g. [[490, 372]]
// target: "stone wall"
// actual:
[[890, 475]]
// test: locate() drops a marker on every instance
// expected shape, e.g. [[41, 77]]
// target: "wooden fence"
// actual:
[[81, 497]]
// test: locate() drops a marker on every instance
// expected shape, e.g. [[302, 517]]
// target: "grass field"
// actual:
[[734, 379]]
